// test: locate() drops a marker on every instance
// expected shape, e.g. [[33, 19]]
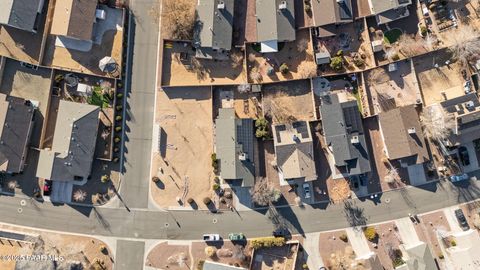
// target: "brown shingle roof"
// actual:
[[398, 142], [74, 18]]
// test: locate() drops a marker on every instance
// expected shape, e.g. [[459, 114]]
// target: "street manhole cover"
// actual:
[[214, 220], [166, 225], [387, 200], [19, 210], [23, 202]]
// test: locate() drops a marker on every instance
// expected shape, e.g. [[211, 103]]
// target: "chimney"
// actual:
[[283, 5], [221, 5], [354, 140], [411, 130]]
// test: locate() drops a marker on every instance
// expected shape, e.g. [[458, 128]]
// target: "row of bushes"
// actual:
[[266, 242]]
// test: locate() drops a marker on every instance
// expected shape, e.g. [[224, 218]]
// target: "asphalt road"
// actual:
[[134, 191], [129, 255], [151, 224]]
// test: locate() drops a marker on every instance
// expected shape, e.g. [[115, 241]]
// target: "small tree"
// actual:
[[465, 44], [370, 233], [210, 251], [392, 176], [79, 195], [12, 184], [343, 237], [105, 178], [262, 128], [302, 44], [284, 68], [336, 63]]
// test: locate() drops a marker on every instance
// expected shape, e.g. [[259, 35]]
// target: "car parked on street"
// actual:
[[458, 177], [281, 232], [236, 236], [463, 153], [306, 190], [462, 220], [211, 237]]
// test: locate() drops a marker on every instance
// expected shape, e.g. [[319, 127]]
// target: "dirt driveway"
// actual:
[[185, 117]]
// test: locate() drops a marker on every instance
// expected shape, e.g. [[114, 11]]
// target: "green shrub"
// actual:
[[267, 242], [262, 128], [118, 118], [440, 256], [370, 233], [339, 53], [343, 237], [105, 178], [216, 186], [214, 161], [358, 61], [423, 30], [453, 243], [336, 63], [307, 8], [117, 139], [118, 128], [395, 57], [305, 266], [397, 262], [119, 107], [284, 68], [155, 179], [200, 264], [119, 95]]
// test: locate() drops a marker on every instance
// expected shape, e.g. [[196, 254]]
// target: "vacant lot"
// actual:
[[289, 100], [391, 89], [441, 82], [183, 161], [180, 67], [165, 256]]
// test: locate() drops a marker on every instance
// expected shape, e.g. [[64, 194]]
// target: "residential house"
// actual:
[[73, 147], [344, 136], [74, 19], [386, 11], [466, 112], [402, 135], [327, 12], [294, 151], [213, 28], [464, 255], [417, 257], [209, 265], [275, 21], [21, 14], [16, 125], [234, 144]]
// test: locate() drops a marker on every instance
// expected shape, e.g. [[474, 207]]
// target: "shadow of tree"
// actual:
[[354, 214]]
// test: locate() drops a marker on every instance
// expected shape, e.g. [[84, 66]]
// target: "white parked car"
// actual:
[[211, 237]]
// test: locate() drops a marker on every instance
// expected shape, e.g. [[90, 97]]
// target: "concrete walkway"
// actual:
[[407, 231], [452, 219], [359, 243], [311, 246]]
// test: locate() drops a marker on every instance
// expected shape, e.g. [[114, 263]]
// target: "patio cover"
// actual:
[[107, 64], [269, 46]]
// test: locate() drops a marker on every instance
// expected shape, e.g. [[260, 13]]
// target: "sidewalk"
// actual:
[[407, 231]]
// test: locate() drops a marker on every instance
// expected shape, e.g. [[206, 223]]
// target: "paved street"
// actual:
[[129, 255], [139, 124]]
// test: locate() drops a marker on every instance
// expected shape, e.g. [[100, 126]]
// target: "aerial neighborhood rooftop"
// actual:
[[350, 127]]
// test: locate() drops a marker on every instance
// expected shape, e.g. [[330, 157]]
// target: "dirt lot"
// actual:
[[388, 240], [331, 244], [433, 81], [389, 90], [185, 116], [190, 71], [427, 230], [165, 256], [274, 258], [226, 252], [74, 249], [289, 99], [246, 105], [298, 55]]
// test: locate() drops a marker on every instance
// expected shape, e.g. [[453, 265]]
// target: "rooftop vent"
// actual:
[[470, 105], [243, 156], [221, 5], [411, 130], [295, 138], [354, 140], [283, 5]]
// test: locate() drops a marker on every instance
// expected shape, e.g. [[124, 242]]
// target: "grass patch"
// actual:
[[98, 99], [391, 36], [356, 93]]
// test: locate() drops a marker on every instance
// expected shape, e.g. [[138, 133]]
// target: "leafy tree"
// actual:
[[336, 63]]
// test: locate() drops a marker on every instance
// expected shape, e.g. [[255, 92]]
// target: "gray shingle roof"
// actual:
[[234, 137], [294, 151], [73, 143], [398, 141], [273, 22], [16, 124], [379, 6], [466, 110], [342, 125], [213, 28], [420, 257], [20, 14], [327, 12]]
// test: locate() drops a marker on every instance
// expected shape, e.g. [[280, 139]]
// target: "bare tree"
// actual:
[[244, 88], [307, 69], [409, 46], [263, 193], [237, 59], [79, 195], [345, 260], [178, 19], [255, 75], [437, 123], [465, 44], [391, 176], [302, 45]]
